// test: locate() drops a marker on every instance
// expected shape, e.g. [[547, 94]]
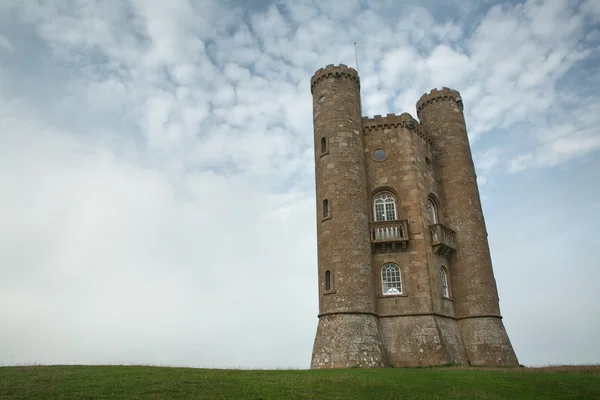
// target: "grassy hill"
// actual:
[[141, 382]]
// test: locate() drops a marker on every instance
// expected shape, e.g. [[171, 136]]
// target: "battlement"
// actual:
[[438, 95], [334, 71], [404, 120]]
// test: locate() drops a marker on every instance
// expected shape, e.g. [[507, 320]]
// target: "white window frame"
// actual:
[[391, 279], [386, 202], [433, 211], [444, 282]]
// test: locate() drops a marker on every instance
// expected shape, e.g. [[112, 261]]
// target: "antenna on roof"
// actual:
[[359, 93], [356, 55]]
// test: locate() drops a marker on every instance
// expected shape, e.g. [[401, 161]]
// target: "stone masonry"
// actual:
[[404, 267]]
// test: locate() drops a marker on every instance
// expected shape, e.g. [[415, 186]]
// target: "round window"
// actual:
[[379, 154]]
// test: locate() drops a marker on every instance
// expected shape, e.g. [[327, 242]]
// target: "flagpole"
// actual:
[[356, 55]]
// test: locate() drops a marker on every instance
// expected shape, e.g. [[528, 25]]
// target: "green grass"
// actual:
[[142, 382]]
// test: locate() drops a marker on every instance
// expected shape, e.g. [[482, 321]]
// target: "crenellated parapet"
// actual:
[[404, 120], [334, 71], [435, 95]]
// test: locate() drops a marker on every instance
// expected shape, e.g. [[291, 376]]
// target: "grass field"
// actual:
[[142, 382]]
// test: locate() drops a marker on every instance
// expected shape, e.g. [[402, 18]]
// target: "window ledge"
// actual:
[[324, 154], [329, 292], [447, 298], [386, 296], [326, 218]]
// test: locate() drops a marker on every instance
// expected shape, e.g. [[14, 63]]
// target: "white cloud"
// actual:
[[557, 151], [6, 45], [591, 9], [486, 162], [520, 162], [446, 65], [521, 69], [563, 137], [132, 255]]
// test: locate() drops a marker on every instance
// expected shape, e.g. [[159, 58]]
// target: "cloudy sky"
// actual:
[[157, 183]]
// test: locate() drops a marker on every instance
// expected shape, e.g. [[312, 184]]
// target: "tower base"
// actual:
[[348, 340], [422, 341], [486, 342]]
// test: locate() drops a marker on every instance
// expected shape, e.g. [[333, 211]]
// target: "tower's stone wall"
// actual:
[[418, 326], [397, 174], [359, 324]]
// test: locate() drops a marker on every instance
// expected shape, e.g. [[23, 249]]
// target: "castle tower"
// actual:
[[348, 332], [404, 269], [475, 294]]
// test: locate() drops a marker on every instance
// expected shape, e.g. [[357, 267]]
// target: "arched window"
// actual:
[[323, 145], [327, 280], [384, 207], [325, 208], [433, 212], [444, 280], [391, 279]]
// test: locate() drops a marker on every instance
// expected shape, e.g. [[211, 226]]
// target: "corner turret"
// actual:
[[335, 71], [348, 332], [475, 293], [435, 95]]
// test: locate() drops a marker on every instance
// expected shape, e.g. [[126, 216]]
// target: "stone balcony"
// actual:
[[442, 240], [388, 235]]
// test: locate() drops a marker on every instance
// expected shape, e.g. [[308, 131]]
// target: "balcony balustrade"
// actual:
[[387, 235], [442, 240]]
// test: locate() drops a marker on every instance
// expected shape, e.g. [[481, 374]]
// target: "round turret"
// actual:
[[435, 95], [334, 71], [475, 293], [346, 295]]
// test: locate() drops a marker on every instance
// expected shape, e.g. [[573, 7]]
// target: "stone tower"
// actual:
[[405, 274]]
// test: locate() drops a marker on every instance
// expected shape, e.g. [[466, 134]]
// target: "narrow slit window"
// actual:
[[323, 145], [327, 280], [325, 208]]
